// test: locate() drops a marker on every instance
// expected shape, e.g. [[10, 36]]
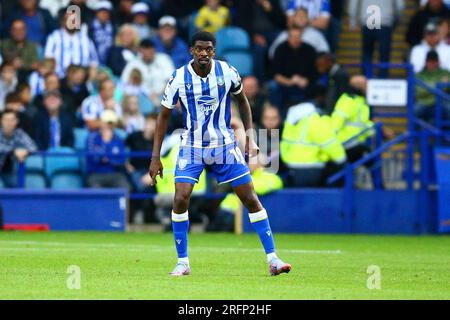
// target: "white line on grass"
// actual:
[[135, 247]]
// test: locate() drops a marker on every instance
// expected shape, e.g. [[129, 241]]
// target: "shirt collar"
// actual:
[[194, 74]]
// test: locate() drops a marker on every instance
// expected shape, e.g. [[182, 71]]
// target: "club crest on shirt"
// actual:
[[182, 164], [220, 81], [206, 104]]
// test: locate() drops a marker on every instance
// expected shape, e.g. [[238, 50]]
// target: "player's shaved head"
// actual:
[[203, 36]]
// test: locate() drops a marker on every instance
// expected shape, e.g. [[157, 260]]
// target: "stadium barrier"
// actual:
[[65, 210]]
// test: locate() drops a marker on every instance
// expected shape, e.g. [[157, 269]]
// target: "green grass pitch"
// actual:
[[224, 266]]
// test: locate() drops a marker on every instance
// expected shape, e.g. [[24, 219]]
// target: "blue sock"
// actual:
[[260, 223], [180, 226]]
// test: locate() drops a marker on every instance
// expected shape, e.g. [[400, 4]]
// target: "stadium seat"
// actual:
[[61, 164], [35, 180], [242, 61], [35, 175], [232, 39], [81, 135], [34, 163], [145, 105], [66, 181]]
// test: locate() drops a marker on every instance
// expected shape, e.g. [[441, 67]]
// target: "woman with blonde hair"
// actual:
[[124, 49]]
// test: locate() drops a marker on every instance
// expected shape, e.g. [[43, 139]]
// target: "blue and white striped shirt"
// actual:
[[69, 49], [37, 84], [205, 103], [93, 107], [316, 8]]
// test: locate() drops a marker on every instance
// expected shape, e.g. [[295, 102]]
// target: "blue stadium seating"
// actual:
[[35, 176], [230, 39], [242, 61], [81, 135], [35, 180], [66, 181], [145, 105], [63, 172], [57, 164]]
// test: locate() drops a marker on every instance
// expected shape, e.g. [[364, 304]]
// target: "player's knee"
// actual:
[[181, 199], [251, 202]]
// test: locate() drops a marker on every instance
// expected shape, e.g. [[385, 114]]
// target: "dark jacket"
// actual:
[[417, 24], [247, 12], [338, 83], [115, 60], [42, 129]]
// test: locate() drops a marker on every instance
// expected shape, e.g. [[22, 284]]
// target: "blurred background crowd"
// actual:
[[98, 88]]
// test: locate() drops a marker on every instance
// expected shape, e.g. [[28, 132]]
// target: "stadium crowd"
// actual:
[[107, 77]]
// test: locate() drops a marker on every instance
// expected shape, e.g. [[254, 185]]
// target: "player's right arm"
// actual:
[[170, 99], [162, 123]]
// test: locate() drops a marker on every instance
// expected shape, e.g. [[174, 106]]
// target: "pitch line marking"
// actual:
[[140, 247]]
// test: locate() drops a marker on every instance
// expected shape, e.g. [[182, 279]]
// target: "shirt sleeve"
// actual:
[[170, 96], [89, 110], [325, 9], [236, 81], [291, 8]]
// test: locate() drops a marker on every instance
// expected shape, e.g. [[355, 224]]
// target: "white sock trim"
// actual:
[[258, 216], [270, 256], [184, 260], [180, 217]]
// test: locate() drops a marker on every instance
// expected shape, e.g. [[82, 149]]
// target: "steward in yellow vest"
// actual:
[[308, 143], [351, 116]]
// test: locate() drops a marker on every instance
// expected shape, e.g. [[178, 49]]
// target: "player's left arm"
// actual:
[[251, 148]]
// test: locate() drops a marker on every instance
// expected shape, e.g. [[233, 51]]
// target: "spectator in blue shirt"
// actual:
[[39, 20], [106, 170], [169, 43]]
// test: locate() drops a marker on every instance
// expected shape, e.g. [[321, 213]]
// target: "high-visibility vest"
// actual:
[[264, 182], [310, 143], [167, 184], [350, 117]]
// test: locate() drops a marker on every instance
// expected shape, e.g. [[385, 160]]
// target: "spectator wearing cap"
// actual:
[[425, 100], [15, 144], [213, 16], [101, 29], [69, 45], [53, 127], [140, 13], [107, 169], [93, 106], [431, 41], [18, 49], [434, 10], [37, 19], [124, 50], [155, 67], [169, 43]]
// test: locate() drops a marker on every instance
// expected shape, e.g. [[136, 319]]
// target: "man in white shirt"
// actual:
[[311, 35], [431, 41], [156, 69]]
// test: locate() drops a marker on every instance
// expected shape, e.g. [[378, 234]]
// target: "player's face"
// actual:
[[203, 52]]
